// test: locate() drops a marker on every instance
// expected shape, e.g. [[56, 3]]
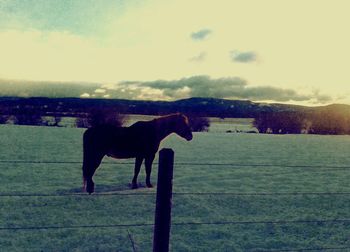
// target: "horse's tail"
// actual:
[[84, 183], [84, 168], [92, 157], [88, 185]]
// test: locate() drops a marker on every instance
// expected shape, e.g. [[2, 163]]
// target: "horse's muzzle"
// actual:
[[189, 137]]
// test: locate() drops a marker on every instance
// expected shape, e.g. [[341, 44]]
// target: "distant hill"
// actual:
[[199, 106]]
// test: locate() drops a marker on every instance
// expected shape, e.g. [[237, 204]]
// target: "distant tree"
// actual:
[[325, 122], [290, 122], [25, 119], [52, 121], [280, 123], [329, 123], [3, 119], [261, 122], [199, 124], [27, 116], [97, 117], [56, 120], [82, 122]]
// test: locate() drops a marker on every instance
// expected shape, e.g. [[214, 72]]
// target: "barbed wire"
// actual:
[[233, 194], [302, 249], [217, 223], [274, 222], [180, 224], [182, 164], [78, 226]]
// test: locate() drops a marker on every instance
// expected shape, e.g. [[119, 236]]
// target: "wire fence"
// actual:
[[275, 222], [236, 165], [233, 194], [343, 221]]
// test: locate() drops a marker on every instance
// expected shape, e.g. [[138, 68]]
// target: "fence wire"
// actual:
[[303, 249], [233, 194], [183, 224], [217, 223], [236, 165]]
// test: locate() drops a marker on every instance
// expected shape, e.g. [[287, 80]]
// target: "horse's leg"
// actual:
[[138, 163], [148, 165], [89, 167]]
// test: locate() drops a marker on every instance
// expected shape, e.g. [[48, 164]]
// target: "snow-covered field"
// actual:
[[218, 177]]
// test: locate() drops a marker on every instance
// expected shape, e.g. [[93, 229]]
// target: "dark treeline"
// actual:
[[269, 118], [93, 117], [331, 120], [97, 117]]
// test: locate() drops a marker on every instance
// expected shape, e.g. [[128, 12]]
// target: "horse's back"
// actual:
[[142, 126], [120, 142], [104, 135]]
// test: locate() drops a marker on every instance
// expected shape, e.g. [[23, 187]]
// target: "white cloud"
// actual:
[[228, 88], [85, 95], [100, 91], [110, 86]]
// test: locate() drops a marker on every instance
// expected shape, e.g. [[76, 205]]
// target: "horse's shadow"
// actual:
[[104, 188]]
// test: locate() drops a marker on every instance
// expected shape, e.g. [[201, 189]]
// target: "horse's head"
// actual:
[[182, 127]]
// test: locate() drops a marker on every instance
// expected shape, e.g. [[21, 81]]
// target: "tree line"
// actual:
[[323, 122], [332, 119], [26, 115]]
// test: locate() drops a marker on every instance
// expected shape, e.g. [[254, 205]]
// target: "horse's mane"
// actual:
[[173, 116]]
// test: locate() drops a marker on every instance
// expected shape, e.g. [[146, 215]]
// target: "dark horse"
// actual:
[[141, 141]]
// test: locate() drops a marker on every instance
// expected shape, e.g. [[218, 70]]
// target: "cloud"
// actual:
[[199, 58], [85, 95], [201, 34], [227, 88], [45, 88], [274, 94], [202, 86], [100, 91], [243, 57], [195, 86], [73, 16], [321, 98]]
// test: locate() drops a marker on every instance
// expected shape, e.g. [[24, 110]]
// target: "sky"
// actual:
[[290, 51]]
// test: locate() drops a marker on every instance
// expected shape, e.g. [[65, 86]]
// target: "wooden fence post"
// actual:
[[162, 218]]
